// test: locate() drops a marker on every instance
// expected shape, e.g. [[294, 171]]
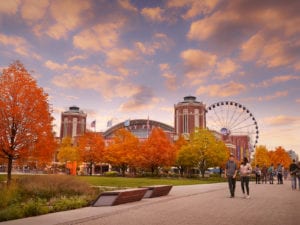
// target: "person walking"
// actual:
[[279, 173], [245, 171], [257, 174], [264, 172], [271, 173], [230, 173], [298, 174], [293, 169]]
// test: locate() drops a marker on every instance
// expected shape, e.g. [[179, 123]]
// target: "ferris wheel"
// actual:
[[232, 119]]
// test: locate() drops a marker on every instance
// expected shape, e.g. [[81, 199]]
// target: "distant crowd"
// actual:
[[263, 174]]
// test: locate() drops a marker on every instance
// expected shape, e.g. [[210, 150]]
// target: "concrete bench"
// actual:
[[157, 191], [117, 197]]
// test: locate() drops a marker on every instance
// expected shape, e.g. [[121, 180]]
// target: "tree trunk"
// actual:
[[9, 169]]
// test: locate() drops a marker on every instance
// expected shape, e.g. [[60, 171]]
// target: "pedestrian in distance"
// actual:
[[298, 174], [279, 173], [264, 172], [257, 174], [230, 173], [271, 173], [245, 171], [293, 170]]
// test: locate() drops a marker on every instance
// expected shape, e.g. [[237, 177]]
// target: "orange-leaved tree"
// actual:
[[91, 148], [123, 151], [280, 156], [157, 151], [25, 118]]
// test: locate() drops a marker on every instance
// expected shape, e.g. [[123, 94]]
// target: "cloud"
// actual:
[[99, 37], [226, 67], [252, 47], [67, 19], [223, 90], [193, 7], [282, 120], [153, 14], [171, 79], [278, 94], [198, 64], [33, 10], [117, 58], [234, 21], [55, 66], [125, 4], [275, 80], [298, 100], [143, 99], [9, 7], [159, 41], [19, 45], [76, 57], [271, 52], [93, 78]]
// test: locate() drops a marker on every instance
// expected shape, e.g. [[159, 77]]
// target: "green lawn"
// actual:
[[138, 182]]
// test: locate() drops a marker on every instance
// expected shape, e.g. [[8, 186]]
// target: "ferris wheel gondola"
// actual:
[[232, 118]]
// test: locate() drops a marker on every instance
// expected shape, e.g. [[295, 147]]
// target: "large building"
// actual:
[[188, 115], [141, 128], [73, 122]]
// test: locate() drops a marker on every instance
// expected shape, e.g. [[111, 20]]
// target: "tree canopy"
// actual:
[[203, 151], [25, 118]]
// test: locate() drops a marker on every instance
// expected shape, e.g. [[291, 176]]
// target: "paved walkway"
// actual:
[[190, 205]]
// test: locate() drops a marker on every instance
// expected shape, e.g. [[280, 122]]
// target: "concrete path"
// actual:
[[190, 205]]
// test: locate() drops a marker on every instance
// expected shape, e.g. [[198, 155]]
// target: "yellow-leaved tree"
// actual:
[[261, 156], [203, 151]]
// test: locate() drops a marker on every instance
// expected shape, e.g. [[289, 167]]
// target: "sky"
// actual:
[[134, 59]]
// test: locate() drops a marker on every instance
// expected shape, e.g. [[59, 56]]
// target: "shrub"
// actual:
[[12, 212], [40, 194], [111, 174], [35, 207]]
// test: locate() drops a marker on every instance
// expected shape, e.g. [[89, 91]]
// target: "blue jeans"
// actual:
[[294, 182], [231, 184]]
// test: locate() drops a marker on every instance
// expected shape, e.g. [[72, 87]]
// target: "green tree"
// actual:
[[25, 118]]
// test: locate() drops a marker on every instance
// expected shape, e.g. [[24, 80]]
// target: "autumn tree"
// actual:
[[67, 151], [157, 151], [182, 163], [261, 156], [25, 119], [123, 151], [91, 148], [280, 156], [203, 151]]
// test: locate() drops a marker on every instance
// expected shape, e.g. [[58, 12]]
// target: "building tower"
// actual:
[[73, 123], [188, 115]]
